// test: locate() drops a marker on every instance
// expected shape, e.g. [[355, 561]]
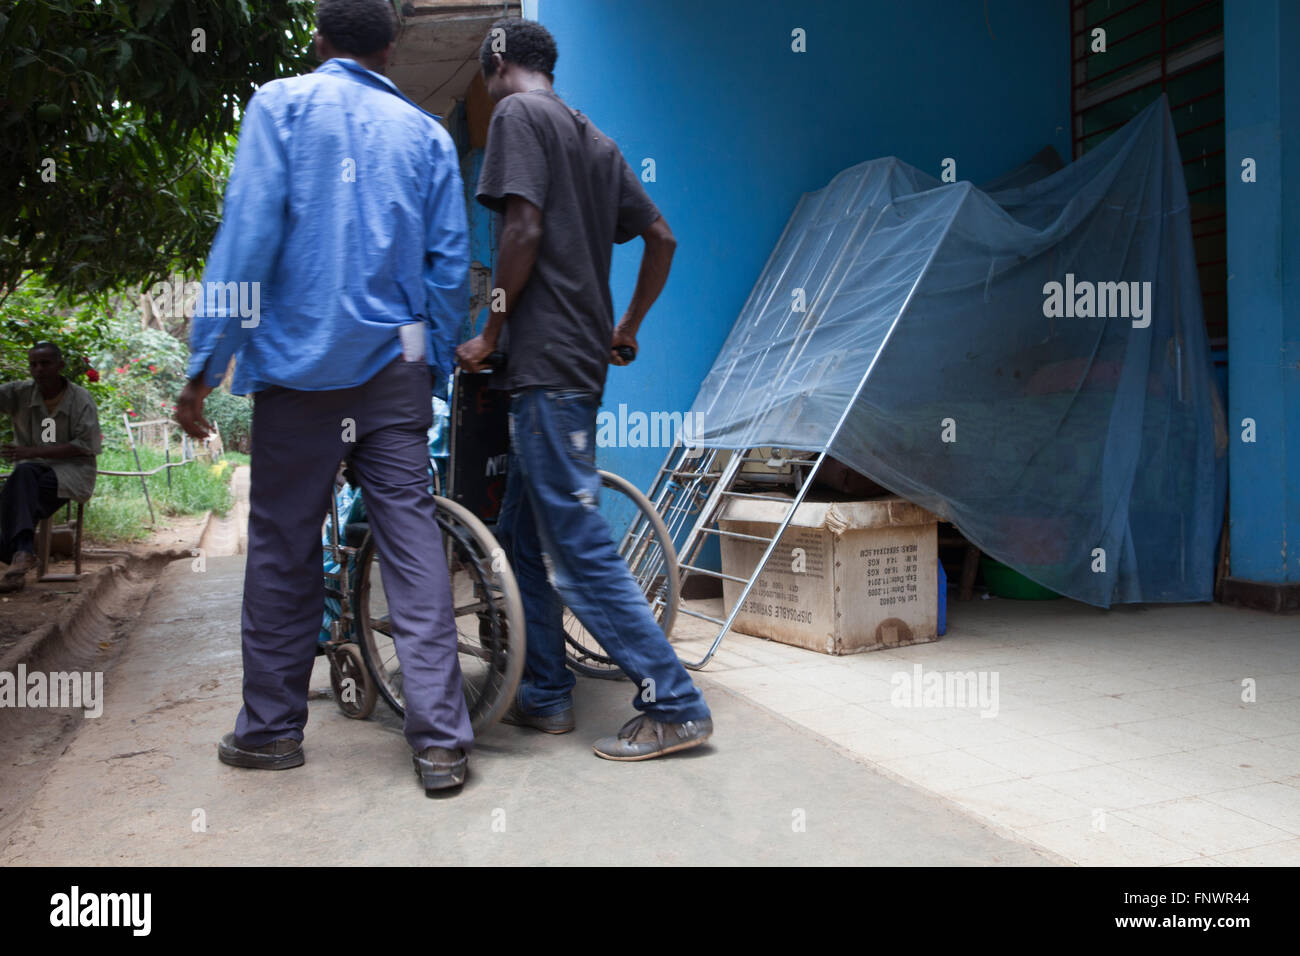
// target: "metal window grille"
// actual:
[[1152, 47]]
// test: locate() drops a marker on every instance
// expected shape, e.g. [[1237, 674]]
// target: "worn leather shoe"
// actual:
[[559, 723], [643, 738], [15, 576], [440, 768], [281, 754]]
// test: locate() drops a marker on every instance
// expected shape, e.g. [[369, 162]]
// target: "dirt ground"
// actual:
[[83, 636], [39, 604]]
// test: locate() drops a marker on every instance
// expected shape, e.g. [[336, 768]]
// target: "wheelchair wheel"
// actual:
[[648, 549], [354, 689], [489, 618]]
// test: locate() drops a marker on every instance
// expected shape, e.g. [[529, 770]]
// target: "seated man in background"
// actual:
[[56, 439]]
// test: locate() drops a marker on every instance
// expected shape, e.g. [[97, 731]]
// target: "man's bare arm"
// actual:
[[520, 239], [656, 260]]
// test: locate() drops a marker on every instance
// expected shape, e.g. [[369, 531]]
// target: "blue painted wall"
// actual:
[[482, 234], [739, 126], [1262, 107]]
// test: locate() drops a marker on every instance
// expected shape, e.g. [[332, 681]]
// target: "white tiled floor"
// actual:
[[1120, 737]]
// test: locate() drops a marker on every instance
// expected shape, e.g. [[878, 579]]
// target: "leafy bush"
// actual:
[[233, 415], [129, 370], [145, 369], [82, 330]]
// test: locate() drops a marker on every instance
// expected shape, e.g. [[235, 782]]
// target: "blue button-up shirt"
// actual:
[[344, 219]]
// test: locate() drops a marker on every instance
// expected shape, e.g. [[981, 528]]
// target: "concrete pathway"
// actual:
[[1142, 735], [142, 785]]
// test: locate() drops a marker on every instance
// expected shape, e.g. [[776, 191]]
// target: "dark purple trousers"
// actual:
[[299, 438]]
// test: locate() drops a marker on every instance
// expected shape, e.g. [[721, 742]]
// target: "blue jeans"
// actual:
[[551, 507]]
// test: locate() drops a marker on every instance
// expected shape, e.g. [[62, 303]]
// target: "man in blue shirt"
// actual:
[[337, 280]]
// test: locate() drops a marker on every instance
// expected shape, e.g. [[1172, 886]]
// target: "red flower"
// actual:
[[92, 375], [153, 368]]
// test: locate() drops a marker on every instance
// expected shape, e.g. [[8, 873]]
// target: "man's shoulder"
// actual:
[[285, 91], [532, 106], [543, 110], [81, 394], [274, 94], [286, 98], [440, 135]]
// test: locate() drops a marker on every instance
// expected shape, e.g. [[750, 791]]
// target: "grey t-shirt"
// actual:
[[558, 334]]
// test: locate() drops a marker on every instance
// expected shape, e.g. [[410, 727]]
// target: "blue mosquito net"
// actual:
[[1029, 363]]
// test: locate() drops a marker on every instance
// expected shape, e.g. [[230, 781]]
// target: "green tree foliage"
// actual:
[[130, 369], [233, 415], [82, 331], [117, 123], [145, 369]]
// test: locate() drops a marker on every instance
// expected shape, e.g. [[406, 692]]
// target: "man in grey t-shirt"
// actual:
[[566, 196]]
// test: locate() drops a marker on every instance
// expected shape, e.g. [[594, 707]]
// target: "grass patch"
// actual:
[[118, 511]]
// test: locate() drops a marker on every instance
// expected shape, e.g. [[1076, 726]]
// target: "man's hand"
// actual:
[[11, 452], [189, 408], [472, 356], [622, 336]]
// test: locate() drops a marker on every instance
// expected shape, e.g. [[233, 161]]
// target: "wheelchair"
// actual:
[[357, 632], [488, 609]]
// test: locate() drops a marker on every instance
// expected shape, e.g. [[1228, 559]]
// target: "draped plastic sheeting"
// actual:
[[909, 328]]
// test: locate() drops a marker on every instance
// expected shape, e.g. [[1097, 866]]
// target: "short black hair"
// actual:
[[359, 27], [527, 43], [47, 347]]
